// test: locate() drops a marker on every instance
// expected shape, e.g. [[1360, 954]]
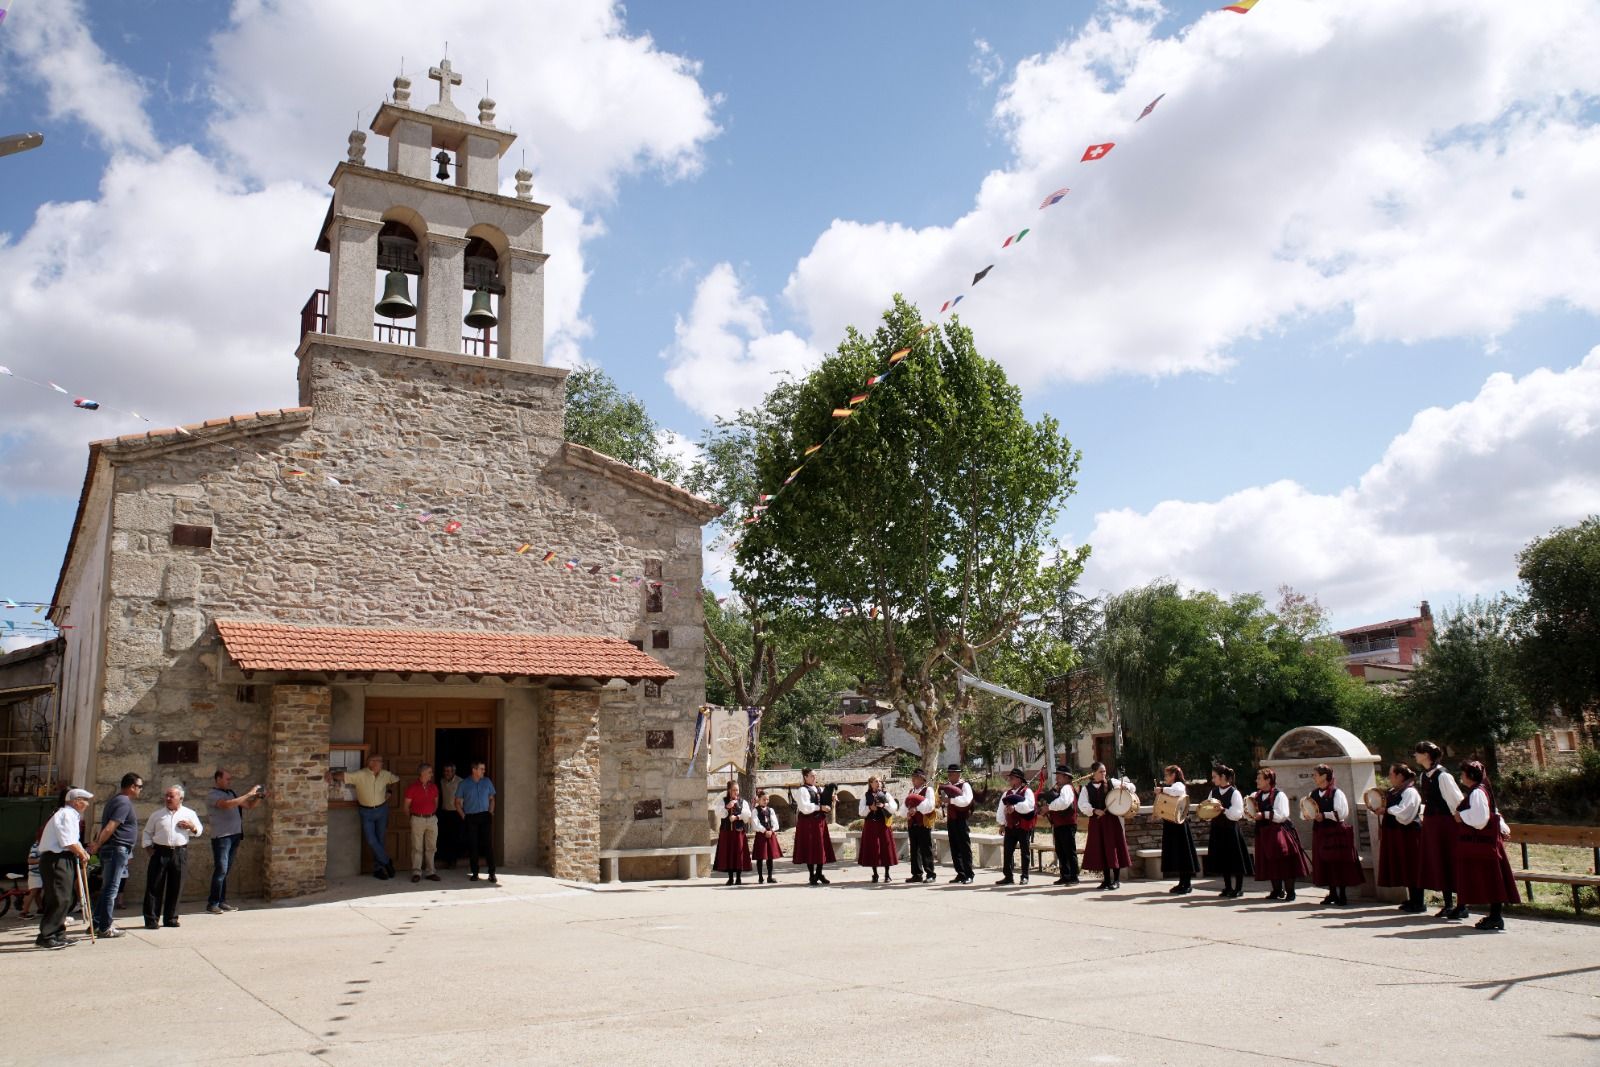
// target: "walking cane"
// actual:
[[83, 893]]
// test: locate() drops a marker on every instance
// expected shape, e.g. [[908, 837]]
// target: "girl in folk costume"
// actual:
[[1440, 798], [764, 844], [1106, 849], [1482, 872], [877, 832], [1226, 852], [812, 844], [733, 845], [1335, 863], [1400, 839], [1178, 854], [1279, 857]]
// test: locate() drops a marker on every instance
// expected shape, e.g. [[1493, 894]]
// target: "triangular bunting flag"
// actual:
[[1055, 197], [896, 357], [1151, 106], [813, 450], [1242, 7], [858, 398], [843, 413], [1097, 151], [1014, 238], [982, 274]]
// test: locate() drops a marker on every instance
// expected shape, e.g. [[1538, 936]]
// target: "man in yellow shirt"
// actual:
[[371, 785]]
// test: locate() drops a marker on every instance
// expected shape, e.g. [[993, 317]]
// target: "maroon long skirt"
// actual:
[[763, 847], [1483, 872], [1400, 856], [877, 845], [1334, 860], [1279, 856], [733, 851], [1438, 862], [1106, 848], [811, 841]]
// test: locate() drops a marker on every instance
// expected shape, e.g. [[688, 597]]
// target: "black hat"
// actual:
[[1016, 772], [920, 773], [954, 767], [1061, 768]]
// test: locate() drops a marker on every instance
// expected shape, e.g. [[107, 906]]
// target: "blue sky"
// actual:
[[1270, 318]]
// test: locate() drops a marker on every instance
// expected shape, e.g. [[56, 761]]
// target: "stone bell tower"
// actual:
[[431, 229]]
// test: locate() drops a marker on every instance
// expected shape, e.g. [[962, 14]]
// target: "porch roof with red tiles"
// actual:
[[278, 646]]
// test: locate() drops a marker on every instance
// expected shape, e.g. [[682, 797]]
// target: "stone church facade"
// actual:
[[271, 591]]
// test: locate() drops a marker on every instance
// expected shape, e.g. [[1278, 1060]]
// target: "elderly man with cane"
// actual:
[[60, 853]]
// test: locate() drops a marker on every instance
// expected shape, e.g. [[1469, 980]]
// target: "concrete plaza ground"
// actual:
[[537, 971]]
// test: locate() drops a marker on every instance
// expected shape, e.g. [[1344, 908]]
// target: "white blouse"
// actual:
[[1065, 800], [926, 807], [1024, 806], [1086, 806], [808, 800], [1477, 813], [1341, 806], [1176, 789], [744, 811], [889, 808], [1405, 812], [1235, 809]]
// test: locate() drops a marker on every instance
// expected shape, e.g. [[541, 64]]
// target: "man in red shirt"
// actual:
[[422, 805]]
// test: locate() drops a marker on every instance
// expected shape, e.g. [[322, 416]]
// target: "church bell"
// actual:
[[396, 302], [480, 316]]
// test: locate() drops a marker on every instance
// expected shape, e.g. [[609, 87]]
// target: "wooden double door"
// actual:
[[407, 731]]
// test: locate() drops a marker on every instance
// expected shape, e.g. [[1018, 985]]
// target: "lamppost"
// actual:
[[12, 143]]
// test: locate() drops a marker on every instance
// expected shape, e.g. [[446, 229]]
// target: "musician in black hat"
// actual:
[[1017, 813], [957, 807], [919, 828], [1063, 815]]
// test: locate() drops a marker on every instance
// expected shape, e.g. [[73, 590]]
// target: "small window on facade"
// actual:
[[660, 639], [178, 752], [652, 601], [636, 643], [652, 690], [191, 536], [245, 694], [1566, 741]]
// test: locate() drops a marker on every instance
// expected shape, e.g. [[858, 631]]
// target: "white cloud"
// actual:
[[1443, 512], [175, 291], [1424, 169], [985, 64], [724, 356], [54, 46]]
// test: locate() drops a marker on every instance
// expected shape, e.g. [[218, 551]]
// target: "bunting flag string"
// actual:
[[1093, 153]]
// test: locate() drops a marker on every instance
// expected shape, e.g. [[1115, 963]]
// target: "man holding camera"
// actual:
[[227, 830]]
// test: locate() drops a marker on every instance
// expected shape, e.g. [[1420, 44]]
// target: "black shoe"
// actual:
[[1490, 923], [1331, 898], [415, 877], [1462, 912], [929, 880], [874, 877], [110, 931], [1116, 884], [433, 877], [1448, 914], [1179, 888], [380, 873], [171, 924], [1411, 908], [49, 942], [915, 878], [1007, 880], [472, 877], [1060, 881], [492, 879], [729, 881], [737, 880], [390, 868], [822, 879], [1289, 895], [1024, 880], [151, 924]]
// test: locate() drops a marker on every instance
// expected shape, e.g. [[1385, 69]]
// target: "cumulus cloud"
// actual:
[[52, 45], [1443, 512], [1421, 169], [724, 356], [196, 259]]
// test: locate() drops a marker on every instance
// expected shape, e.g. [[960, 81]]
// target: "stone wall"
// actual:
[[297, 812], [570, 748], [449, 437]]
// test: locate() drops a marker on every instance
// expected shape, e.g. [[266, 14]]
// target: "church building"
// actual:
[[411, 563]]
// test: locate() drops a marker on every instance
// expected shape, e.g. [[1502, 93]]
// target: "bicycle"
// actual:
[[17, 895]]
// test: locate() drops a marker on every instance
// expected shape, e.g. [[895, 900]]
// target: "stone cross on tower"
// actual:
[[446, 77]]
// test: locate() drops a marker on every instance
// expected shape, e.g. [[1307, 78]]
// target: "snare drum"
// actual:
[[1208, 808], [1171, 808], [1122, 802], [1309, 808], [1376, 800]]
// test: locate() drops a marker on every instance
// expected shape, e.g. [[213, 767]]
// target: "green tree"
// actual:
[[1558, 623], [919, 531], [1467, 691], [602, 417]]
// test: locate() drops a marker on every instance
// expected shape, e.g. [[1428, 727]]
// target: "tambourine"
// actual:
[[1376, 800], [1251, 808], [1309, 808], [1208, 808]]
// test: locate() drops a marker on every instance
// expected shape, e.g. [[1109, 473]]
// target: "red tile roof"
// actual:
[[1392, 624], [251, 420], [276, 646]]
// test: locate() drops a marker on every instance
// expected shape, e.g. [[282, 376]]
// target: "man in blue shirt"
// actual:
[[119, 833], [475, 802]]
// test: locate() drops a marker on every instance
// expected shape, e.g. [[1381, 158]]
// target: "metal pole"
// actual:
[[967, 680]]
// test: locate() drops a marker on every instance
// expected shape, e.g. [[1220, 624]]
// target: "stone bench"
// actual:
[[688, 857], [1150, 861]]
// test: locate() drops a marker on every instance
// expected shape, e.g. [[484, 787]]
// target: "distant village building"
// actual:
[[1387, 651], [411, 563]]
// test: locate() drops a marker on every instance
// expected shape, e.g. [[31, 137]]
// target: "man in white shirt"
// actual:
[[166, 842], [60, 851]]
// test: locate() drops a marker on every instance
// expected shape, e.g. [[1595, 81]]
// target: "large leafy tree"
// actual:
[[919, 532], [1467, 692], [1558, 623], [602, 417]]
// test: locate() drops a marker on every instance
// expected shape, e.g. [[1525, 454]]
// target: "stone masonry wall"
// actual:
[[573, 757], [471, 440], [297, 811]]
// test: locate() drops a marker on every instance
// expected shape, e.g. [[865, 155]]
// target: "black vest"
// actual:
[[1325, 800], [1433, 802], [1098, 791], [1389, 821], [765, 818], [729, 822]]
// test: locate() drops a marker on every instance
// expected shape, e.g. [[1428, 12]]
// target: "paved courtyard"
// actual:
[[537, 971]]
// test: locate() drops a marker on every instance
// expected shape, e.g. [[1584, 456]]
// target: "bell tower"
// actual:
[[425, 252]]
